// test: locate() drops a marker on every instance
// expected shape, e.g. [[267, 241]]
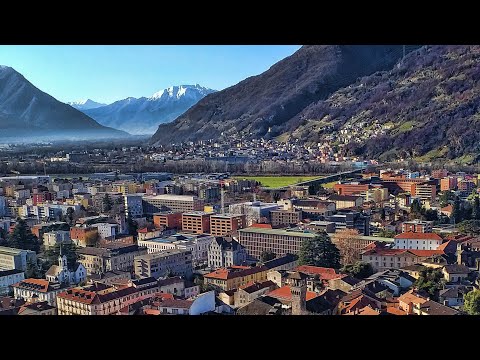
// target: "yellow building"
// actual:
[[235, 276]]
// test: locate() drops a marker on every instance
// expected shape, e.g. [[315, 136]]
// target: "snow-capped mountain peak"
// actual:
[[143, 115], [181, 91], [85, 104]]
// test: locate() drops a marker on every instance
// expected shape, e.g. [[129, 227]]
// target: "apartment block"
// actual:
[[285, 217], [175, 262], [278, 241], [417, 226], [168, 220], [197, 222], [224, 224], [15, 259], [175, 203]]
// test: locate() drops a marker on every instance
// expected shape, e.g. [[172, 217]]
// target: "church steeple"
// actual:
[[62, 259]]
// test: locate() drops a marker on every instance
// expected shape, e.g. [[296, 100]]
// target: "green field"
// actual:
[[277, 181]]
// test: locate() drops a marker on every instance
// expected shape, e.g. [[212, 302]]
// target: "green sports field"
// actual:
[[277, 181]]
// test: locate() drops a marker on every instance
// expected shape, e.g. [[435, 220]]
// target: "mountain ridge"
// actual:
[[264, 105], [26, 110], [143, 115]]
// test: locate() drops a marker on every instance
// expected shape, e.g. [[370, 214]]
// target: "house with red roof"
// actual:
[[417, 241], [382, 258]]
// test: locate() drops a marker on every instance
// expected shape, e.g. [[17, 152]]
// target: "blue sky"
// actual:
[[107, 73]]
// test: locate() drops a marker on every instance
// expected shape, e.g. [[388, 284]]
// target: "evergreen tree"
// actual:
[[70, 212], [132, 226], [476, 209], [319, 251], [107, 203], [22, 237], [33, 270], [472, 302], [359, 270], [266, 256], [457, 211], [69, 250]]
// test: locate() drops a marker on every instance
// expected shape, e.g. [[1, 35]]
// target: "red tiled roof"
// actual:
[[285, 293], [324, 273], [42, 284], [418, 236], [394, 311], [143, 230], [367, 310], [176, 303], [448, 208], [426, 253], [385, 252], [151, 312]]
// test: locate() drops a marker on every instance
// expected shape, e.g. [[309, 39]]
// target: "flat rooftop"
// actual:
[[171, 197], [277, 232], [161, 254]]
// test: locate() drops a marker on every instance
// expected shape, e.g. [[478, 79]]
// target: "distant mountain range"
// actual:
[[27, 112], [267, 105], [85, 104], [143, 115]]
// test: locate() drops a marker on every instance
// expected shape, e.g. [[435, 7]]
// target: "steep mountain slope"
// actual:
[[143, 115], [85, 104], [271, 100], [27, 111], [426, 107]]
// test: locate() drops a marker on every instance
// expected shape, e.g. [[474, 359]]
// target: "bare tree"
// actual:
[[345, 241]]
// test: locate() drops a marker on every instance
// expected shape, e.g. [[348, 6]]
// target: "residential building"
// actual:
[[175, 262], [453, 296], [107, 230], [285, 262], [314, 209], [39, 289], [235, 276], [466, 186], [411, 300], [351, 220], [99, 299], [431, 307], [255, 212], [84, 235], [225, 252], [198, 244], [37, 308], [417, 226], [425, 191], [455, 273], [146, 233], [285, 217], [167, 202], [10, 305], [439, 173], [110, 257], [346, 201], [382, 258], [319, 226], [249, 292], [110, 277], [395, 280], [133, 205], [280, 242], [168, 220], [350, 188], [417, 241], [448, 183], [11, 258], [225, 224], [52, 238], [197, 222], [8, 278]]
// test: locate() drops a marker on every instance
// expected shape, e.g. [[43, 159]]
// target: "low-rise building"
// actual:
[[250, 292], [174, 262], [455, 273], [417, 241], [111, 257], [224, 252], [37, 308], [52, 238], [285, 217], [39, 290], [346, 201], [235, 276], [11, 258], [8, 278]]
